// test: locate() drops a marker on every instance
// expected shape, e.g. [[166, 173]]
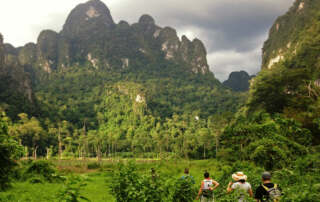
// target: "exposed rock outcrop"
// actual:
[[1, 52], [28, 54], [47, 50], [286, 34], [87, 18], [14, 81], [90, 35], [238, 81]]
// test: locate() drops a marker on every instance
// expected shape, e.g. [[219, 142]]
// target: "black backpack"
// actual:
[[207, 193]]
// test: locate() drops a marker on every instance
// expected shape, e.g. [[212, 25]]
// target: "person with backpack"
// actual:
[[240, 185], [187, 175], [206, 189], [267, 191]]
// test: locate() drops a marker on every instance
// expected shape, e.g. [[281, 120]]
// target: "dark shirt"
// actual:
[[261, 193]]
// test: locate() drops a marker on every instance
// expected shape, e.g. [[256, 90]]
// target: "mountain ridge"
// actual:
[[90, 35], [71, 70]]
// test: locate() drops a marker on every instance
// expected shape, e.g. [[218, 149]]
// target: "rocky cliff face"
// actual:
[[87, 19], [1, 51], [238, 81], [287, 34], [14, 80], [289, 80], [90, 36]]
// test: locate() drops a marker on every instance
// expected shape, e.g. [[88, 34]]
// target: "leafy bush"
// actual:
[[309, 163], [36, 180], [125, 183], [93, 165], [184, 190], [42, 169], [129, 185], [271, 141], [9, 152], [71, 192]]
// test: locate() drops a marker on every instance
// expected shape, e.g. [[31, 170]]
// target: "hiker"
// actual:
[[267, 191], [206, 189], [240, 185], [187, 175], [153, 174]]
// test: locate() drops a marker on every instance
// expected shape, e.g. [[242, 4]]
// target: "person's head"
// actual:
[[206, 175], [153, 170], [266, 176], [186, 171], [239, 177], [242, 181]]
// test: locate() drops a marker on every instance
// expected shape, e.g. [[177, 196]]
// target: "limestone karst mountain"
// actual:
[[70, 70], [15, 84], [289, 81], [289, 32], [238, 81], [90, 35]]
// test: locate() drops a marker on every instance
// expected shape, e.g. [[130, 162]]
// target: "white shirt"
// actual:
[[242, 187]]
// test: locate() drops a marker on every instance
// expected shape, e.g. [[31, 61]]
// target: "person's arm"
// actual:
[[250, 192], [200, 191], [216, 184], [229, 189]]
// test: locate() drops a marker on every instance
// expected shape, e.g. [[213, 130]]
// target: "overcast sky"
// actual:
[[233, 31]]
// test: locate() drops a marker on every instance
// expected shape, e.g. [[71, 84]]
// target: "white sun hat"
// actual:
[[239, 176]]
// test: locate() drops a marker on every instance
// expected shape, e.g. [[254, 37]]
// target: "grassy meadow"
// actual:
[[94, 180]]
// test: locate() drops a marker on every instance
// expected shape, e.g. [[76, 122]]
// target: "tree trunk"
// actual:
[[26, 152], [85, 144], [204, 151], [79, 151], [35, 152], [99, 153], [217, 144], [185, 150], [48, 150], [60, 144], [112, 151], [109, 150]]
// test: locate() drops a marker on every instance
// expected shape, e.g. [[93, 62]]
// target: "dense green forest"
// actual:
[[136, 87]]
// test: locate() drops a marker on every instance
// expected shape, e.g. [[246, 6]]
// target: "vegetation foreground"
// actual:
[[75, 180]]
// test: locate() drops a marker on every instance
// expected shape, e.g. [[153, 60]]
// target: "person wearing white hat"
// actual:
[[240, 185]]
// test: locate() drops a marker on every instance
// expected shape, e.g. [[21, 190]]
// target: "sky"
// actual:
[[233, 31]]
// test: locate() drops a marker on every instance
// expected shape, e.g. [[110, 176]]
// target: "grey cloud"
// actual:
[[235, 24], [228, 61], [233, 31]]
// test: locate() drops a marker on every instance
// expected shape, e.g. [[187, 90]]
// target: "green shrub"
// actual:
[[36, 180], [126, 155], [184, 190], [71, 191], [309, 163], [129, 185], [42, 169], [93, 165], [126, 183], [9, 152]]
